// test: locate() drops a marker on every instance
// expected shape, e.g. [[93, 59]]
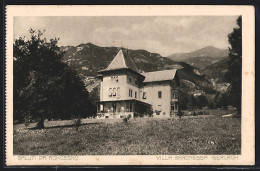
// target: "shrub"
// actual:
[[126, 118], [201, 113], [211, 105], [201, 101], [180, 113], [194, 113], [150, 113], [26, 124], [129, 116], [206, 113], [190, 106], [77, 123], [157, 112]]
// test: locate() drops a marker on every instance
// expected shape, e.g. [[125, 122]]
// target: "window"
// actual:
[[118, 91], [130, 93], [118, 107], [114, 79], [130, 79], [101, 107], [110, 92], [159, 94], [114, 91], [135, 94], [130, 107], [175, 95], [160, 108], [144, 95], [114, 107]]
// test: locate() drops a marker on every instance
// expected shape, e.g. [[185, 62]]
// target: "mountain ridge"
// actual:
[[88, 58], [217, 70], [202, 57]]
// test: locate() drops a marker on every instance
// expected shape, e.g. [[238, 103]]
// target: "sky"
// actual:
[[158, 34]]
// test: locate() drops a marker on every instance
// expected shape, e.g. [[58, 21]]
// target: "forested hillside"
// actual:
[[88, 58]]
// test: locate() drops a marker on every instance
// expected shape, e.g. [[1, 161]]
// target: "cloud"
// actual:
[[164, 35]]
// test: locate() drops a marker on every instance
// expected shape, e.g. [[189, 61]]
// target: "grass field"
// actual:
[[140, 136]]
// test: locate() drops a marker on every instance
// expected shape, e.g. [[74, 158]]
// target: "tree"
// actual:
[[184, 100], [211, 105], [201, 101], [180, 113], [44, 86], [191, 103], [94, 94], [233, 75], [222, 100]]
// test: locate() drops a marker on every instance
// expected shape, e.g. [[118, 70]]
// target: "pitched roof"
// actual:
[[121, 61], [159, 75]]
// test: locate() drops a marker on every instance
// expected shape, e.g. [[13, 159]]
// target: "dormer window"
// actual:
[[114, 79]]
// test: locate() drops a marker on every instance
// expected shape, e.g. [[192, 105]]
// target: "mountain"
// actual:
[[202, 61], [217, 70], [202, 57], [88, 58], [216, 73]]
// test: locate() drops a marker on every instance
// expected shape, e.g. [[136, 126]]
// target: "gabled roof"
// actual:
[[159, 75], [121, 62]]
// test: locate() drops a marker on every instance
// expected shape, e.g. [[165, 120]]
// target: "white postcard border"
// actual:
[[247, 156]]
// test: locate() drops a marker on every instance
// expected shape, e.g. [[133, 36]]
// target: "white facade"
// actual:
[[115, 87], [125, 91], [159, 96]]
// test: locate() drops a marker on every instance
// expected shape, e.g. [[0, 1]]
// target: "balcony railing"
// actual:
[[174, 99], [114, 115]]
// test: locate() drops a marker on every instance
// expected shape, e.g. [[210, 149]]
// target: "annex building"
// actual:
[[124, 90]]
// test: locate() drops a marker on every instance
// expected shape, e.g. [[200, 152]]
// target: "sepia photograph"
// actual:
[[167, 86]]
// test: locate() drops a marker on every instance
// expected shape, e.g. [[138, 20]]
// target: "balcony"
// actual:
[[101, 115], [175, 95], [174, 100]]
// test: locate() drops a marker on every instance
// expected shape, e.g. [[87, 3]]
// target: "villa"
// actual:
[[125, 91]]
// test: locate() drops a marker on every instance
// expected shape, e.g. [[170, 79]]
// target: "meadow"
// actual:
[[139, 136]]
